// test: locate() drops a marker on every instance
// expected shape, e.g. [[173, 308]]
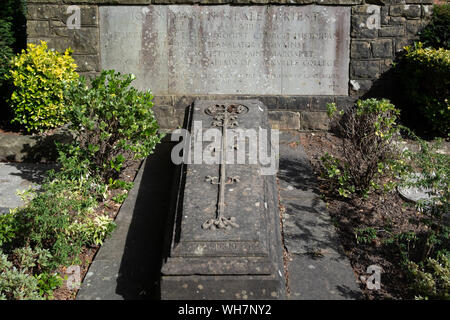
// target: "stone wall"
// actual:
[[372, 50]]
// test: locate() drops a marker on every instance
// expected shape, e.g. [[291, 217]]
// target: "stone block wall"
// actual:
[[372, 50]]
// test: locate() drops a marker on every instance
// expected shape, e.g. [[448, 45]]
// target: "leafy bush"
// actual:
[[368, 132], [113, 123], [61, 218], [27, 277], [365, 235], [424, 89], [6, 54], [12, 40], [17, 284], [14, 11], [432, 279], [8, 228], [47, 282], [6, 48], [426, 254], [437, 33], [39, 76]]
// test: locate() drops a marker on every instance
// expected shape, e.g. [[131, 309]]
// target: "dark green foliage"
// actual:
[[46, 221], [437, 33], [14, 11], [113, 123], [13, 39], [424, 90], [368, 132], [8, 228], [426, 253], [6, 48]]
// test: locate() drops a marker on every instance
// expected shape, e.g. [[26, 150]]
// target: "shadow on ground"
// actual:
[[32, 172], [141, 261]]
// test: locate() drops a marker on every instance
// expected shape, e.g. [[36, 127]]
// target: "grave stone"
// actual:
[[223, 49], [223, 233]]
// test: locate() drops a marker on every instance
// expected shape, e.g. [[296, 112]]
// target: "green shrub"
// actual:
[[12, 40], [8, 228], [14, 11], [17, 284], [61, 218], [95, 229], [424, 89], [365, 235], [6, 54], [432, 279], [47, 282], [368, 132], [113, 123], [6, 48], [437, 33], [426, 253], [12, 33], [39, 77]]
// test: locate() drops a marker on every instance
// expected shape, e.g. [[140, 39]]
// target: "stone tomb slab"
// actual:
[[203, 262], [223, 49]]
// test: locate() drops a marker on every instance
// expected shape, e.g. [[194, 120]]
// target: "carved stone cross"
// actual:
[[224, 116]]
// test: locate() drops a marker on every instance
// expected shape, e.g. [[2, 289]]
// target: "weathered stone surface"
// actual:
[[395, 21], [360, 29], [410, 11], [365, 69], [414, 26], [284, 120], [84, 41], [38, 28], [87, 63], [31, 148], [385, 65], [361, 86], [314, 120], [342, 2], [392, 31], [360, 50], [229, 50], [401, 43], [320, 102], [88, 14], [322, 278], [427, 11], [382, 48], [167, 117], [219, 264], [318, 269], [18, 177]]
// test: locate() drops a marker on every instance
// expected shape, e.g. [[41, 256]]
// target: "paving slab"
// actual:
[[16, 177], [318, 270]]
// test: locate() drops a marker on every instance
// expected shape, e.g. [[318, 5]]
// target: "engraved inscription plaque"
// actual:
[[191, 49]]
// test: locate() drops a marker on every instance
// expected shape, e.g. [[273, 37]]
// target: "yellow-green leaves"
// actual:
[[40, 77]]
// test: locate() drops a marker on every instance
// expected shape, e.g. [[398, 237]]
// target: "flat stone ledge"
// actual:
[[19, 177], [317, 267], [31, 148]]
